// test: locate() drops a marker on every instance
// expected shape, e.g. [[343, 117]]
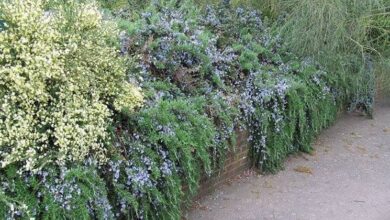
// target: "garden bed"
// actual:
[[120, 115]]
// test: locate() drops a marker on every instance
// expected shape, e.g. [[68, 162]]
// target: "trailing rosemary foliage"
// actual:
[[284, 101]]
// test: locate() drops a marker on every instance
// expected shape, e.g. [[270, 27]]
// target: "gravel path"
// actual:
[[347, 177]]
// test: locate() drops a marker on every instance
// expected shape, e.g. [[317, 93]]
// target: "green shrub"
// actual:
[[289, 111], [54, 193], [61, 80], [285, 101], [168, 42], [163, 149], [201, 73]]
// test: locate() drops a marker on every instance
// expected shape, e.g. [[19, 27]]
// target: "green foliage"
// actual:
[[53, 193], [174, 141], [203, 74], [115, 4], [290, 112], [323, 30], [60, 81], [382, 71], [194, 134], [167, 41]]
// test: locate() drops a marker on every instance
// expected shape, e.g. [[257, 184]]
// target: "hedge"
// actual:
[[117, 115]]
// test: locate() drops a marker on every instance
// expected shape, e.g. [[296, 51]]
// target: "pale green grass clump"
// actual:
[[382, 72], [346, 36]]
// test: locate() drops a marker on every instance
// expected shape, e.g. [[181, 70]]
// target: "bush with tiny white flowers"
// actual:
[[60, 82]]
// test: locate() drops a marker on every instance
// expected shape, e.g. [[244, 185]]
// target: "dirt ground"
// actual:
[[347, 177]]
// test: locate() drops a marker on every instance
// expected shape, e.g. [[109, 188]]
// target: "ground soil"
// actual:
[[347, 177]]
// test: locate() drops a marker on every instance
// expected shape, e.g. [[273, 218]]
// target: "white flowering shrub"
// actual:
[[60, 81]]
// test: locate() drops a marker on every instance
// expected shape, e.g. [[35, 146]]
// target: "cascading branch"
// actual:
[[162, 149], [284, 101]]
